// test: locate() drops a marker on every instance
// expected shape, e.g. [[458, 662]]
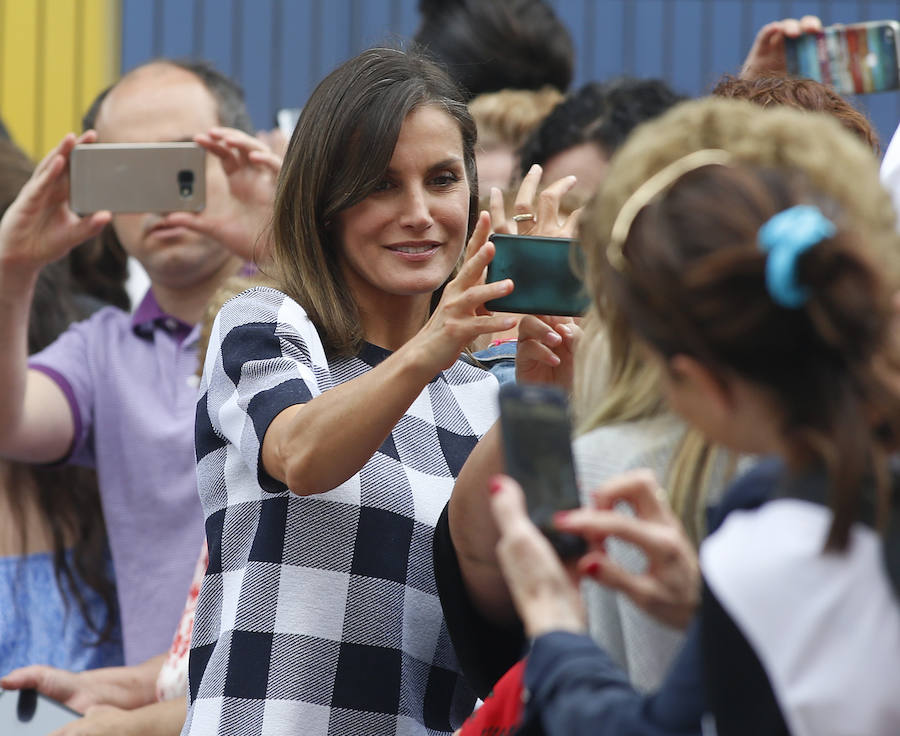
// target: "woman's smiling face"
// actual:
[[405, 237]]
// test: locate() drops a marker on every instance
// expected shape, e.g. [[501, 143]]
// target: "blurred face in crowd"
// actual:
[[162, 103], [496, 166], [586, 161], [405, 237]]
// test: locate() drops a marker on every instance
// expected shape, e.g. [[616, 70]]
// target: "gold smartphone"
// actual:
[[137, 177]]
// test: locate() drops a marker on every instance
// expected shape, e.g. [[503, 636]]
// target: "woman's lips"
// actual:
[[414, 251]]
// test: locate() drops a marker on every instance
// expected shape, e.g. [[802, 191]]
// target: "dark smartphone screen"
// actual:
[[541, 271], [28, 713], [537, 445]]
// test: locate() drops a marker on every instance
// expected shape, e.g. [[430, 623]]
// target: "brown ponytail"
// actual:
[[694, 283]]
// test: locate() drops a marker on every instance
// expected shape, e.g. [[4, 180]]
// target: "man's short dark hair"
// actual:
[[598, 113], [228, 94], [489, 45]]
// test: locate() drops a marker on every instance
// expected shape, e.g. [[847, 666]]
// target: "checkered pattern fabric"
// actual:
[[319, 614]]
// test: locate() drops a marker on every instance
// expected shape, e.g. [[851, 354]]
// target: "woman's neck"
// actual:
[[394, 320]]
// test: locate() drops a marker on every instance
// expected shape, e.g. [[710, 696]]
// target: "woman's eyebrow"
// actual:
[[443, 164]]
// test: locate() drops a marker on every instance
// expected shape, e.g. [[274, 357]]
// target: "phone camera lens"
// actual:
[[186, 183]]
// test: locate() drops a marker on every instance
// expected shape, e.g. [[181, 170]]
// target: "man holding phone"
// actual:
[[117, 391]]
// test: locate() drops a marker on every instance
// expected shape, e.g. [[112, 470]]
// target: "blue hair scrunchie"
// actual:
[[785, 237]]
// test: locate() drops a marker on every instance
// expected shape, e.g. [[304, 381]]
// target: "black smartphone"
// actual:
[[28, 713], [542, 274], [854, 59], [537, 447], [137, 177]]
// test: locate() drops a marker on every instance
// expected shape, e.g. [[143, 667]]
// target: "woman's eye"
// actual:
[[382, 186], [445, 179]]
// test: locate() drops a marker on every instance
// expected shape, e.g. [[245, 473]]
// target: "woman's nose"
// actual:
[[416, 211]]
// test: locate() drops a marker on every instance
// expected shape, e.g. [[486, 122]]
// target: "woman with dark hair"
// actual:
[[335, 413], [55, 577]]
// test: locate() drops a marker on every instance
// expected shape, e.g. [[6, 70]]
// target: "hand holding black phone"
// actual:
[[542, 275], [537, 447]]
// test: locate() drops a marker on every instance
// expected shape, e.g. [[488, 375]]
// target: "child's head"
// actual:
[[766, 310], [832, 160], [755, 277], [807, 155]]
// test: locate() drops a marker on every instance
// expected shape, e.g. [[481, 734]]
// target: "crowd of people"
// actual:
[[270, 497]]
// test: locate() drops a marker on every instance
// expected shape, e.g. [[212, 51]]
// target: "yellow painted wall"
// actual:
[[55, 56]]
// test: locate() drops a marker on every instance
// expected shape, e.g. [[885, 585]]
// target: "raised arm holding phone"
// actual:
[[117, 391]]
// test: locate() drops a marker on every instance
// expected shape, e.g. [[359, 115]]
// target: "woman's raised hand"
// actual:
[[39, 227], [669, 588], [545, 353], [460, 315], [767, 55], [542, 589], [545, 217]]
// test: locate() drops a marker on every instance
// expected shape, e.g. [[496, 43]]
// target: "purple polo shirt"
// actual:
[[130, 382]]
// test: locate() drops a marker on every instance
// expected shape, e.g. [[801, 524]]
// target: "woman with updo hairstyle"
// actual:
[[764, 296], [624, 423], [335, 413]]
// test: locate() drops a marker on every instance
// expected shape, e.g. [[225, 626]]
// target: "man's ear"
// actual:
[[699, 384]]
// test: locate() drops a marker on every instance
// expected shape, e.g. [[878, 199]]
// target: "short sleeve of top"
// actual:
[[264, 356]]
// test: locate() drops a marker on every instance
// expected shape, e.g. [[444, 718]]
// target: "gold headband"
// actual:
[[650, 189]]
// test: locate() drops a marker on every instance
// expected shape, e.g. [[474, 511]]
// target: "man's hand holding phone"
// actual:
[[39, 227], [251, 169]]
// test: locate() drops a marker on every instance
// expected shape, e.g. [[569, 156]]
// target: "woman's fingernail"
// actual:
[[494, 486], [554, 338], [593, 568], [561, 516]]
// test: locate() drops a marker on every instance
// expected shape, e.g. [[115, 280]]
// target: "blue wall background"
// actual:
[[280, 49]]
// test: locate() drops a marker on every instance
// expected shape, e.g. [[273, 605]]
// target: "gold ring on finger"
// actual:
[[526, 217]]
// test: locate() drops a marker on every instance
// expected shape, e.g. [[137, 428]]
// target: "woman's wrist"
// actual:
[[544, 616]]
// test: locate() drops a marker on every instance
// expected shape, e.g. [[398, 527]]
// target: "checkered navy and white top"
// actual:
[[319, 614]]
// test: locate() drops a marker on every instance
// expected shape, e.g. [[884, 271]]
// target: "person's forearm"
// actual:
[[317, 446], [165, 718], [17, 283], [474, 532], [127, 687]]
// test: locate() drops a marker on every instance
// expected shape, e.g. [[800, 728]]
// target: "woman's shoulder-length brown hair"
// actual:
[[340, 150]]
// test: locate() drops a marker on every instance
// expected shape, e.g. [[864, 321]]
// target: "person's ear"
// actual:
[[701, 386]]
